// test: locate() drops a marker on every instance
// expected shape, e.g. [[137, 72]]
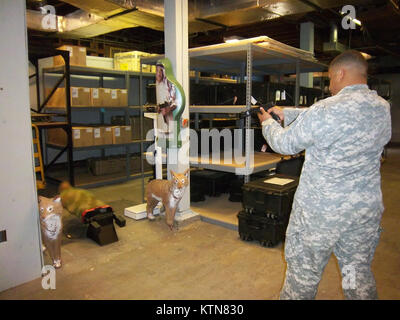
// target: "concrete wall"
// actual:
[[20, 255], [395, 103]]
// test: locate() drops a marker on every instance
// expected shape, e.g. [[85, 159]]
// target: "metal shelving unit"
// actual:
[[247, 58], [35, 54], [101, 74]]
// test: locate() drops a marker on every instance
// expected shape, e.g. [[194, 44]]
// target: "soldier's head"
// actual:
[[346, 69]]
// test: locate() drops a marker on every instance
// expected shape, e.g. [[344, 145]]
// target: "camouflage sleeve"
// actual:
[[290, 114], [388, 131], [301, 134]]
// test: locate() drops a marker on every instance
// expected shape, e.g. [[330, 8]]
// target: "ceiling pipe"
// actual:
[[48, 22]]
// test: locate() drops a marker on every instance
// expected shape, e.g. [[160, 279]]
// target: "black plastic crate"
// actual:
[[197, 192], [235, 190], [267, 199], [269, 232], [213, 183]]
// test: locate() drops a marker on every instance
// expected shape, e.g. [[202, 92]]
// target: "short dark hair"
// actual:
[[350, 57]]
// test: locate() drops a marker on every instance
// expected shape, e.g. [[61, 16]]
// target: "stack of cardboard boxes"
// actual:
[[89, 97], [86, 136], [106, 97], [82, 96], [117, 164]]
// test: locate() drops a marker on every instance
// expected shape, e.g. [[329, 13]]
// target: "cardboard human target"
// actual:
[[170, 104]]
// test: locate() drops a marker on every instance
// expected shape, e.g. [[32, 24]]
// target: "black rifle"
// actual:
[[160, 106], [254, 111]]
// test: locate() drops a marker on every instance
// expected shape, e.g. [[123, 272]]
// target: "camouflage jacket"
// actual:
[[343, 137]]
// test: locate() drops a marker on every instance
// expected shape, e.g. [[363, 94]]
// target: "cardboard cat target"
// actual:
[[169, 192], [50, 212]]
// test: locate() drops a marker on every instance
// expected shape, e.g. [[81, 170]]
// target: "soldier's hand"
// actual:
[[263, 115], [278, 111]]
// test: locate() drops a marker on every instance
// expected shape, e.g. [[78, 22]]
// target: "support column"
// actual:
[[176, 50], [20, 249], [307, 43]]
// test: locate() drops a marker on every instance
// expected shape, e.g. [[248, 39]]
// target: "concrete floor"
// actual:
[[199, 261]]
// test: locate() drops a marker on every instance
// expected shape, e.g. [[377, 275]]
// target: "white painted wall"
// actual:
[[20, 255]]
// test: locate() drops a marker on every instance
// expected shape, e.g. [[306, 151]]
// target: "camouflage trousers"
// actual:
[[308, 250]]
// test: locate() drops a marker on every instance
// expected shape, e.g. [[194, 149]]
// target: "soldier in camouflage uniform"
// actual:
[[338, 203]]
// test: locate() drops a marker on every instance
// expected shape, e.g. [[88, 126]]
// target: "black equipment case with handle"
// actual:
[[266, 209], [269, 232], [267, 199]]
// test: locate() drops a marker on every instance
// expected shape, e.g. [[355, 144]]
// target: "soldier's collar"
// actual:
[[354, 87]]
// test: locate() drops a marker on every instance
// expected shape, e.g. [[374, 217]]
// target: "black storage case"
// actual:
[[269, 200], [213, 183], [269, 232], [196, 192], [235, 190], [101, 225]]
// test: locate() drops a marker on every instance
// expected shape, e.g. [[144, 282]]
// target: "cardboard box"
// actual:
[[127, 61], [81, 136], [97, 136], [121, 134], [107, 134], [135, 163], [80, 97], [135, 127], [77, 56], [95, 97], [114, 102], [116, 135], [126, 133], [108, 165], [122, 97], [105, 96], [57, 136]]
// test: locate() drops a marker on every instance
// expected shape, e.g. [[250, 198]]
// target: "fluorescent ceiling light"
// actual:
[[232, 39]]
